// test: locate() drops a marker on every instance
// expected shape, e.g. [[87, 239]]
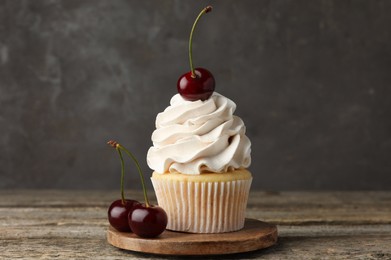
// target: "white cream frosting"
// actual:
[[194, 137]]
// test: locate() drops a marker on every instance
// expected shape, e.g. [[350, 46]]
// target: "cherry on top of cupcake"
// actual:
[[198, 83]]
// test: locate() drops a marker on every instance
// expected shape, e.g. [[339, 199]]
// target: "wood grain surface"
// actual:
[[49, 224], [255, 235]]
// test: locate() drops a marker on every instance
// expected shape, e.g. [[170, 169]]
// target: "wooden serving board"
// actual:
[[255, 235]]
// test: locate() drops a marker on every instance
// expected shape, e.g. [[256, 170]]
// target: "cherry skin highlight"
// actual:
[[200, 87], [118, 214], [147, 221]]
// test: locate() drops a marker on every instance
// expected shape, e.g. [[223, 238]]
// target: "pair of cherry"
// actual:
[[143, 219], [133, 216]]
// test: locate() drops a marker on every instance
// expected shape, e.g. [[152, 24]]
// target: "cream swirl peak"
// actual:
[[194, 137]]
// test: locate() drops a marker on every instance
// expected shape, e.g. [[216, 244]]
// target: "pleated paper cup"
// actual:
[[214, 203]]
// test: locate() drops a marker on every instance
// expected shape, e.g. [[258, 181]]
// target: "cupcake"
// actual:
[[200, 156]]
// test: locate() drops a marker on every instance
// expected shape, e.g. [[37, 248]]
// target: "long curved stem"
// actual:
[[139, 171], [205, 10], [122, 175]]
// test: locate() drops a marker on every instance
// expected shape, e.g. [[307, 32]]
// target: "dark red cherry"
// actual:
[[148, 221], [118, 214], [198, 83], [200, 87]]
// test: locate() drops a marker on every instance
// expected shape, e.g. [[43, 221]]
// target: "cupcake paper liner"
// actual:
[[203, 207]]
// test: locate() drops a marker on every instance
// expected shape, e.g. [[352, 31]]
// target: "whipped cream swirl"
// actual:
[[194, 137]]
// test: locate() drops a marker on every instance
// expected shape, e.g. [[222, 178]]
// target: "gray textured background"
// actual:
[[311, 80]]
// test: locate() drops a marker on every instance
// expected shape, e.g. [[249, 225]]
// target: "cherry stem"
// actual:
[[122, 175], [205, 10], [118, 146]]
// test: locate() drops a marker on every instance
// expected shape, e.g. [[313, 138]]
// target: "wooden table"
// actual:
[[52, 224]]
